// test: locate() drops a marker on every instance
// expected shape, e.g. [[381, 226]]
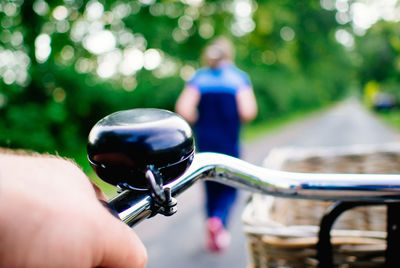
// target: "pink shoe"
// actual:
[[218, 238]]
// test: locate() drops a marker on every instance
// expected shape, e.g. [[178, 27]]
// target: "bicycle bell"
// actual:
[[123, 146]]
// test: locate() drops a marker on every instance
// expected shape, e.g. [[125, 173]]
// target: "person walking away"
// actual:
[[215, 101]]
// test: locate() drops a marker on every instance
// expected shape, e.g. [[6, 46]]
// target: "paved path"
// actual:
[[177, 242]]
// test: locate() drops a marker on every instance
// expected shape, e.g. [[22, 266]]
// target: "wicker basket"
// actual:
[[283, 232]]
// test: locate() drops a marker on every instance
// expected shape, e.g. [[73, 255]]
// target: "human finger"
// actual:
[[122, 247]]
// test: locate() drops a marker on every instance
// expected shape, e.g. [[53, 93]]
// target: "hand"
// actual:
[[50, 217]]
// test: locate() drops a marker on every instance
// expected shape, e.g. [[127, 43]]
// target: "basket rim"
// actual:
[[278, 155], [262, 224]]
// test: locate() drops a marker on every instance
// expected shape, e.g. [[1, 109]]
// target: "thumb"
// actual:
[[122, 247]]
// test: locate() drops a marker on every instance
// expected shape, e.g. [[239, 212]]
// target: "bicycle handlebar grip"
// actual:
[[124, 144]]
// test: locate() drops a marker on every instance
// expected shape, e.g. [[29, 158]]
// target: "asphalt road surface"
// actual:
[[178, 241]]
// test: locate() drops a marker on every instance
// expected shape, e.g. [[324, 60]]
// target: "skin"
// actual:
[[247, 105], [188, 100], [186, 105], [50, 216]]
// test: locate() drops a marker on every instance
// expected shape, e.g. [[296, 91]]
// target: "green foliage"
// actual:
[[379, 56], [291, 55], [379, 51]]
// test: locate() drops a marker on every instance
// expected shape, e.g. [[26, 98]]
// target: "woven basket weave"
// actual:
[[283, 232]]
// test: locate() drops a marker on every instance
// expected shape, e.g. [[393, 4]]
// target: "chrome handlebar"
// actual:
[[134, 206]]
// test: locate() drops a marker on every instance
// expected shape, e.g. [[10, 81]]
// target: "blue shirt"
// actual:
[[218, 126]]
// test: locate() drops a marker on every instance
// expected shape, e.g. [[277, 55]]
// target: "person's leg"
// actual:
[[219, 200]]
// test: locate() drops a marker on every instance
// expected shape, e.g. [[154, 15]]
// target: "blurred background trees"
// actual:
[[66, 64]]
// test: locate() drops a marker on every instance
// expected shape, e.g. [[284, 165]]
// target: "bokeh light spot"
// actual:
[[59, 94], [147, 2], [187, 72], [94, 10], [108, 64], [140, 41], [342, 5], [185, 22], [121, 10], [268, 57], [100, 42], [9, 77], [344, 38], [10, 9], [242, 8], [5, 36], [105, 70], [79, 29], [179, 35], [342, 18], [129, 83], [206, 30], [60, 13], [42, 47], [126, 38], [16, 39], [195, 3], [157, 9], [133, 61], [83, 65], [363, 16], [152, 59], [6, 22], [287, 33], [67, 53], [167, 68], [62, 26], [40, 7], [328, 4]]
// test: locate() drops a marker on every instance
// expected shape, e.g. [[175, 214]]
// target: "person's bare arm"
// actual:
[[247, 105], [186, 104], [50, 217]]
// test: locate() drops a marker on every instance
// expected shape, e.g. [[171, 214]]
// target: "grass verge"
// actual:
[[392, 118], [257, 130]]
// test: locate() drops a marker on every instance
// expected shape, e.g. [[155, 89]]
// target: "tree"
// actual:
[[65, 64]]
